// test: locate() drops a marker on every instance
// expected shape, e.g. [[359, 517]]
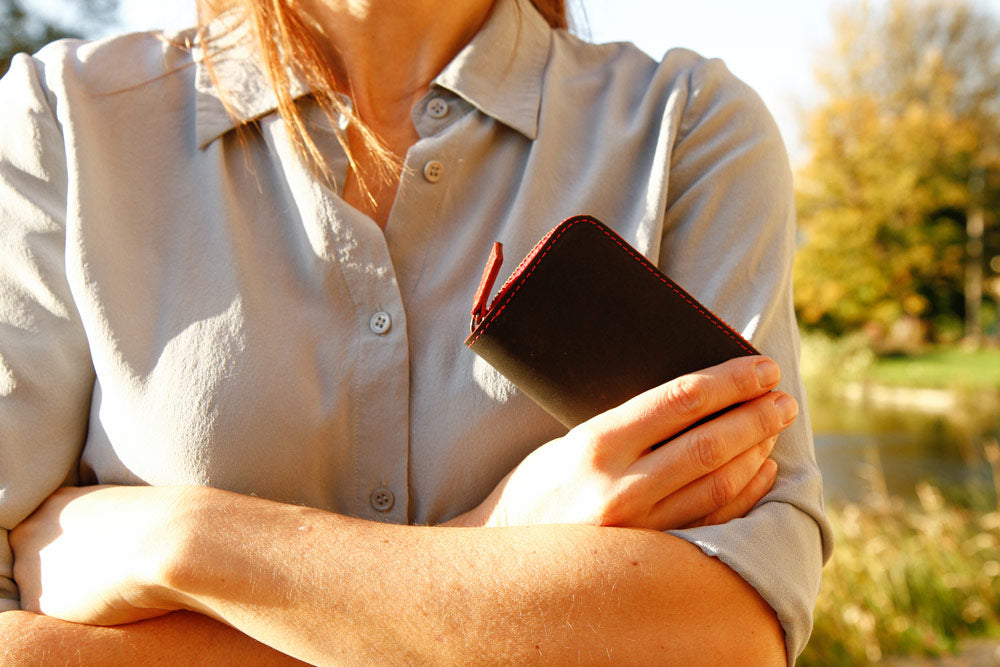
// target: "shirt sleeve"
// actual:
[[730, 237], [46, 376]]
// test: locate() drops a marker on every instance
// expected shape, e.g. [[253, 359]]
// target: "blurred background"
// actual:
[[891, 113]]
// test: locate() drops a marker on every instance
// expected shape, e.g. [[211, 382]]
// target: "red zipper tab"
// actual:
[[480, 304]]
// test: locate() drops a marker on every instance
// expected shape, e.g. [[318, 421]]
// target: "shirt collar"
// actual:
[[499, 72], [246, 93]]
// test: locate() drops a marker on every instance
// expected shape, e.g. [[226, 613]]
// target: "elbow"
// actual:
[[699, 611]]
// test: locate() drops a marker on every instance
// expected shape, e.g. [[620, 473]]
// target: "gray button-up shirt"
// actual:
[[182, 302]]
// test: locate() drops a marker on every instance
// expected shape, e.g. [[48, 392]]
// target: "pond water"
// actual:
[[864, 448]]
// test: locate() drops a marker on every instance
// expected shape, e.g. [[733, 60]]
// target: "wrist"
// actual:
[[219, 545], [172, 553]]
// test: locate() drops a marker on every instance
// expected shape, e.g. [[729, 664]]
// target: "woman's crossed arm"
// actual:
[[576, 567]]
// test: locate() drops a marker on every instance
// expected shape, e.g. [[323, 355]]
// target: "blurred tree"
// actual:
[[22, 29], [903, 155]]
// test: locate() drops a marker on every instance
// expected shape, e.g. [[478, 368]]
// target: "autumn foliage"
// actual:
[[903, 147]]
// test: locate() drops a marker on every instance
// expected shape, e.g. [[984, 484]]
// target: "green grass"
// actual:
[[830, 363], [946, 368]]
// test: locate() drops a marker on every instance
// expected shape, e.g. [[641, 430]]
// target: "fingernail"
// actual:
[[768, 373], [769, 469], [787, 407]]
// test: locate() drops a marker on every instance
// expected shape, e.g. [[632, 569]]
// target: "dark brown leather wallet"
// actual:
[[586, 322]]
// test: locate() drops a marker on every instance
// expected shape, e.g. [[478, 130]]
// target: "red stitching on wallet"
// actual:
[[515, 274], [495, 312]]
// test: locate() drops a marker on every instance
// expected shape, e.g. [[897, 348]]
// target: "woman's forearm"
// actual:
[[326, 588], [181, 638], [476, 595], [552, 582]]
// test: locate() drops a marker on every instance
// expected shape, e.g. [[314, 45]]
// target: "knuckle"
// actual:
[[626, 508], [600, 457], [743, 380], [687, 394], [594, 446], [724, 490], [765, 447], [766, 422], [707, 450], [611, 514]]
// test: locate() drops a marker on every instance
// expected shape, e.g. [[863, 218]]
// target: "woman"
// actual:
[[213, 279]]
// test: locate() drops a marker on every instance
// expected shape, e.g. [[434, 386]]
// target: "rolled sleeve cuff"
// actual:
[[777, 550]]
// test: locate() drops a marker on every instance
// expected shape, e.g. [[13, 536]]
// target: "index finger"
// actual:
[[664, 411]]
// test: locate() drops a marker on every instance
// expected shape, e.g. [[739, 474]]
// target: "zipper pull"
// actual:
[[480, 304]]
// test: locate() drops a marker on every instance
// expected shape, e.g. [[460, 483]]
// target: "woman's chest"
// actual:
[[268, 338]]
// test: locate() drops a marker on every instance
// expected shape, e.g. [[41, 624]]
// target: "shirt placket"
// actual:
[[377, 281], [378, 428], [382, 375], [430, 166], [379, 391], [402, 249]]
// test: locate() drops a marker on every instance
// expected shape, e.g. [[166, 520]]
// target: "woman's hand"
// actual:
[[98, 555], [604, 472], [91, 555]]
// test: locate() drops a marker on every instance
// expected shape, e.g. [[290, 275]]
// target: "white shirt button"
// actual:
[[382, 499], [433, 171], [437, 108], [381, 323]]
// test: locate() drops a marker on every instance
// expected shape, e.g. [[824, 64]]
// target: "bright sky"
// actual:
[[770, 44]]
